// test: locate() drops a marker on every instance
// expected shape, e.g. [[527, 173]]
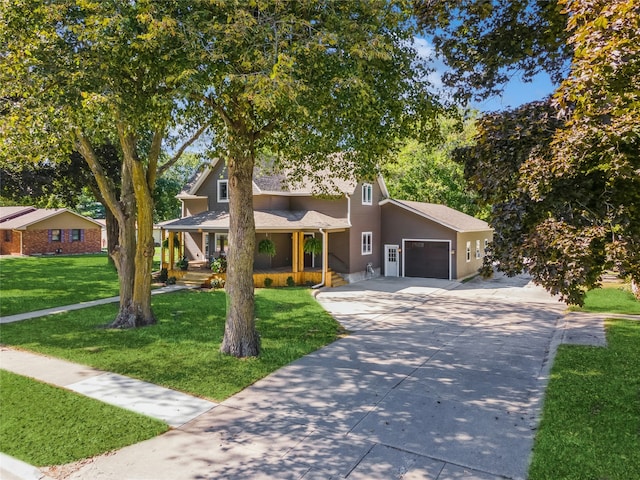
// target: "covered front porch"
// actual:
[[203, 238]]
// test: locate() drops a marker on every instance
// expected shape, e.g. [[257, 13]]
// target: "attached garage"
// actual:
[[427, 258], [431, 240]]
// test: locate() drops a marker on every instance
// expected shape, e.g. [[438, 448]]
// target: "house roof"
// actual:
[[446, 216], [7, 213], [32, 215], [269, 182], [265, 220]]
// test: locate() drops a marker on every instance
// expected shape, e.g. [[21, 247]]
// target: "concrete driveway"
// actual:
[[437, 380]]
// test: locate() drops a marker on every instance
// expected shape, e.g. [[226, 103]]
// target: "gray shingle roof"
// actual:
[[447, 216], [266, 220]]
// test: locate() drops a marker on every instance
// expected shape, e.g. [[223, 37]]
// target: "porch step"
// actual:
[[337, 280], [194, 279]]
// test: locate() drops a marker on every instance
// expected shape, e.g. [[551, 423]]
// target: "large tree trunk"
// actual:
[[135, 309], [240, 336], [113, 233]]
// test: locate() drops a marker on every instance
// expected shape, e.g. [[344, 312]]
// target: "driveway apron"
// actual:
[[436, 380]]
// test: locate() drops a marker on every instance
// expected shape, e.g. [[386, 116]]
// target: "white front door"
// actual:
[[391, 260]]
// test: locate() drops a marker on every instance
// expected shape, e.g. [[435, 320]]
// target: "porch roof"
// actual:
[[265, 220]]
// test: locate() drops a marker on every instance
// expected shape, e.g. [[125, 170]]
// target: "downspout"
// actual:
[[325, 257], [348, 209]]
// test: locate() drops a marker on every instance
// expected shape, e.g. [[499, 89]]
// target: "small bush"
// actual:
[[164, 275], [219, 265], [217, 283], [268, 282], [171, 280], [291, 282]]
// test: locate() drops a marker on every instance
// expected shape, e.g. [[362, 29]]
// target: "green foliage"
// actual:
[[35, 283], [219, 265], [428, 173], [562, 175], [183, 263], [486, 43], [171, 280], [164, 275], [217, 283], [268, 282], [267, 247], [186, 339], [589, 426], [611, 300], [291, 282], [312, 245], [56, 426]]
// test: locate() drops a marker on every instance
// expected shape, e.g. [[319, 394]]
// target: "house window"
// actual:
[[7, 235], [367, 194], [478, 249], [55, 235], [76, 235], [468, 251], [223, 191], [366, 243]]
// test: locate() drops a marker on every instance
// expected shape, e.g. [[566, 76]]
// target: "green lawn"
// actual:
[[611, 299], [44, 425], [182, 350], [590, 426], [33, 283]]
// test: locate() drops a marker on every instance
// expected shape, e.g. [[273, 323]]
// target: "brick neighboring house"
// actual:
[[364, 232], [39, 231]]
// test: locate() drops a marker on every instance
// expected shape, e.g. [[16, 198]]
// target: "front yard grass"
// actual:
[[45, 425], [34, 283], [590, 426], [182, 350], [610, 299]]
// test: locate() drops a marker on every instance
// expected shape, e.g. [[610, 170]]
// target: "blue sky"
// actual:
[[516, 92]]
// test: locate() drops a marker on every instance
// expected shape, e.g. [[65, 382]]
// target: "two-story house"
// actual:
[[363, 231]]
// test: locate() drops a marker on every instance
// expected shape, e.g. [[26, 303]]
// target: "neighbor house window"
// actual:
[[55, 235], [76, 235], [478, 249], [223, 191], [367, 194], [366, 243], [468, 251]]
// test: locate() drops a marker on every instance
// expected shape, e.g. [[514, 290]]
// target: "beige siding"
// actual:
[[63, 220], [471, 267], [193, 206]]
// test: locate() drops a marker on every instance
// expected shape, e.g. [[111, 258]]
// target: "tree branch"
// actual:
[[165, 166]]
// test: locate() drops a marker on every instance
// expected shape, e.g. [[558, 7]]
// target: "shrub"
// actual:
[[268, 282], [183, 263], [219, 265], [291, 282], [164, 275], [217, 283], [171, 281]]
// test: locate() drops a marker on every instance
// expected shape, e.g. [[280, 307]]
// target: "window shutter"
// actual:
[[50, 236], [61, 235], [82, 235]]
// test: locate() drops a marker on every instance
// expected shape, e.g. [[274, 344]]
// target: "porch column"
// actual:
[[325, 259], [300, 252], [172, 260], [295, 251], [163, 251]]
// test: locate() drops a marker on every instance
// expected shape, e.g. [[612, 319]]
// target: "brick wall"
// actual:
[[37, 241], [11, 247]]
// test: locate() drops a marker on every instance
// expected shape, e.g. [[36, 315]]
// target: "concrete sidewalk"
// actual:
[[78, 306], [438, 380]]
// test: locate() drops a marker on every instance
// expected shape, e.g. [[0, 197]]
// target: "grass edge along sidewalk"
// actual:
[[74, 426], [186, 339], [590, 426]]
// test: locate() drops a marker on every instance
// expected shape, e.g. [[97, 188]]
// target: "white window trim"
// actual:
[[221, 182], [468, 252], [367, 194], [363, 245]]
